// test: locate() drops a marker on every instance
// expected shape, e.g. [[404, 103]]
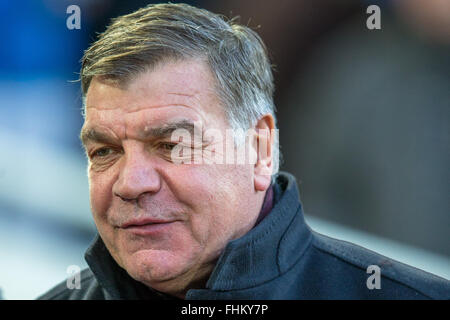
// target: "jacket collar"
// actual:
[[264, 253]]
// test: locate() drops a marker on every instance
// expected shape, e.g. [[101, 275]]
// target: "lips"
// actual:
[[148, 227], [144, 222]]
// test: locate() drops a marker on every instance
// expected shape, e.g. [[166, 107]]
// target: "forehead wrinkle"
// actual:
[[155, 126], [198, 112], [182, 94], [137, 109]]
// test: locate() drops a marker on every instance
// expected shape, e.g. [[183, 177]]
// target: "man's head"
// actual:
[[159, 69]]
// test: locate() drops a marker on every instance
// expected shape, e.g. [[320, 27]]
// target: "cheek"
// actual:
[[100, 189], [216, 195]]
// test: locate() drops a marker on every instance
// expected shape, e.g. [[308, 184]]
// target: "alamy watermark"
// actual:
[[212, 147], [74, 278], [73, 21], [373, 281], [373, 22]]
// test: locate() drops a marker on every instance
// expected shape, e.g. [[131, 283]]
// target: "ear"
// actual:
[[265, 132]]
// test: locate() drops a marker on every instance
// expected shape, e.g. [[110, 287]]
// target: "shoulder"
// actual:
[[398, 280], [89, 289]]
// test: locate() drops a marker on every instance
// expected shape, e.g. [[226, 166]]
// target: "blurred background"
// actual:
[[364, 118]]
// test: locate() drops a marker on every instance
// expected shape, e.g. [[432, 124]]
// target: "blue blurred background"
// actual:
[[364, 119]]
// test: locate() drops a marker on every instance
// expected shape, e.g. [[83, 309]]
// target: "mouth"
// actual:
[[147, 227]]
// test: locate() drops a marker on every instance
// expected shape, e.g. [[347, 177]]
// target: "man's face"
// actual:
[[165, 223]]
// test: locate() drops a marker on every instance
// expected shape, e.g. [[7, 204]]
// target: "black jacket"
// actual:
[[280, 258]]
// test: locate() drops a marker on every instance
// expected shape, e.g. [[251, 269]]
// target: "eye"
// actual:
[[102, 152], [167, 146]]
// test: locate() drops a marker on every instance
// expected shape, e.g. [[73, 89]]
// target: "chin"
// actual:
[[154, 266]]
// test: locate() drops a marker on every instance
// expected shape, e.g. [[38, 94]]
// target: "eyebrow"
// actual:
[[167, 129], [164, 131]]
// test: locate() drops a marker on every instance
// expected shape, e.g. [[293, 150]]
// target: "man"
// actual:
[[177, 215]]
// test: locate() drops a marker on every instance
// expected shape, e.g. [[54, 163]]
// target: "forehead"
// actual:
[[170, 91]]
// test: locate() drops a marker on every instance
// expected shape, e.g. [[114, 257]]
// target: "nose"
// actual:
[[137, 176]]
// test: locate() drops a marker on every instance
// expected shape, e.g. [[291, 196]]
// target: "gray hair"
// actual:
[[236, 55]]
